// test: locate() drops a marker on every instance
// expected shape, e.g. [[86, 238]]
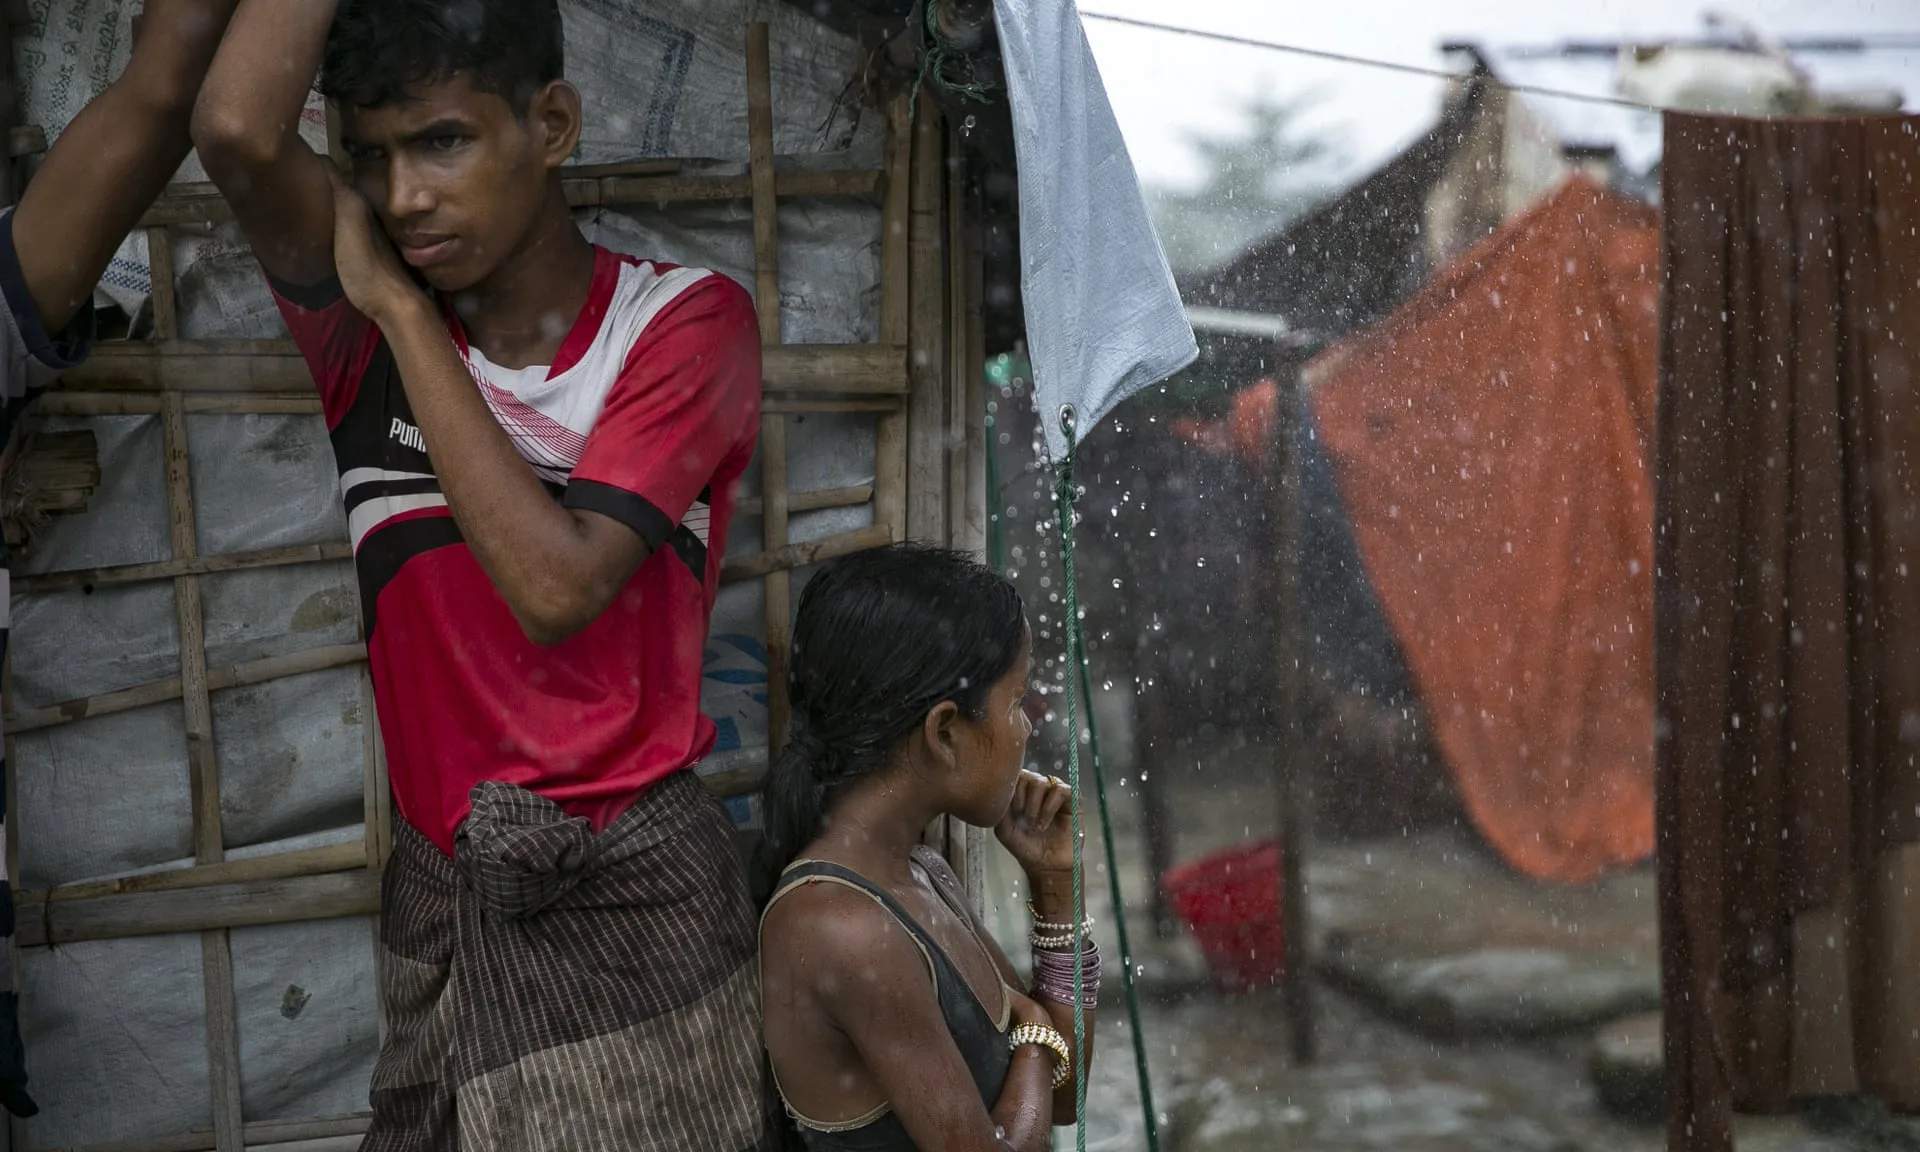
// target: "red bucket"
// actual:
[[1230, 901]]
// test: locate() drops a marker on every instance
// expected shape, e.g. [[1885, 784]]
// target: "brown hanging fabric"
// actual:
[[1788, 616]]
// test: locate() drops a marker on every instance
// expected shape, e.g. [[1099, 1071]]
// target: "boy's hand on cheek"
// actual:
[[371, 274]]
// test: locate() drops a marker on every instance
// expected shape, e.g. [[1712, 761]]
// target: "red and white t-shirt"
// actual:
[[649, 414]]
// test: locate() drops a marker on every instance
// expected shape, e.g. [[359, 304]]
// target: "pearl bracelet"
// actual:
[[1045, 935], [1050, 928], [1063, 943], [1042, 1036]]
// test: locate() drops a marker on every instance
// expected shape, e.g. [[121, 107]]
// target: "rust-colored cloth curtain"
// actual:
[[1788, 616]]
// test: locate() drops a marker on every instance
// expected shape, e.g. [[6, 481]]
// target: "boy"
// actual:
[[103, 172], [538, 442]]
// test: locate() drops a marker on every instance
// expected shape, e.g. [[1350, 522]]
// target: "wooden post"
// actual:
[[927, 331], [927, 367], [773, 426], [965, 467], [1159, 720], [970, 499], [1290, 768]]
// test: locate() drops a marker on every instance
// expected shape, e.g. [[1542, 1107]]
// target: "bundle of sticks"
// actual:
[[42, 475]]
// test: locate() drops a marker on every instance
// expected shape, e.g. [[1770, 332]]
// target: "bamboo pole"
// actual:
[[377, 803], [813, 501], [216, 908], [970, 500], [72, 402], [306, 862], [731, 782], [193, 657], [172, 569], [201, 204], [926, 473], [773, 425], [891, 404], [161, 691], [927, 336], [223, 1041], [800, 555], [166, 311], [225, 346], [277, 1135], [960, 254], [662, 190], [275, 366], [967, 476], [962, 842], [180, 365], [104, 704], [890, 435], [837, 369]]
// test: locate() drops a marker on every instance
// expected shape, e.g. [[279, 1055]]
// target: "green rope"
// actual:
[[1064, 496], [954, 71], [1127, 970], [996, 532]]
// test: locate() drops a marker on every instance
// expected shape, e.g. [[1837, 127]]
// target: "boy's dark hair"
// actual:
[[380, 50]]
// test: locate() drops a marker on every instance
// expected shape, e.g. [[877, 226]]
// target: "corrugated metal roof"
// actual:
[[1353, 259], [1592, 69]]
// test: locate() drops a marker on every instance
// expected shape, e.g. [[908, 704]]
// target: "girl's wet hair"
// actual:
[[880, 640]]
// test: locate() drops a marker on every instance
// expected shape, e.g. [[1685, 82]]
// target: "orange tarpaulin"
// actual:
[[1492, 441]]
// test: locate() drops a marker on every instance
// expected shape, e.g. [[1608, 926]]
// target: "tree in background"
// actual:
[[1255, 181]]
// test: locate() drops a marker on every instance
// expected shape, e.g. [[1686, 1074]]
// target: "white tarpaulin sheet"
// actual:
[[115, 1032], [1104, 319]]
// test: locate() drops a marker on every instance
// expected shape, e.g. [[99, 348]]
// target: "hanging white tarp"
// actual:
[[1104, 319]]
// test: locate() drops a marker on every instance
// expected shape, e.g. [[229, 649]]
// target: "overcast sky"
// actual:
[[1163, 86]]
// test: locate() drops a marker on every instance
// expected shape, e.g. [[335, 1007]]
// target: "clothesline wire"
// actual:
[[1370, 62]]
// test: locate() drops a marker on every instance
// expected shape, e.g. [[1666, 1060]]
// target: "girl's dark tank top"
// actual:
[[982, 1041]]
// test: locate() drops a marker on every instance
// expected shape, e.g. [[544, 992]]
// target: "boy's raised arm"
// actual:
[[247, 129]]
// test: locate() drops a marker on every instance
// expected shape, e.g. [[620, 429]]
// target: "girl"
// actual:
[[893, 1020]]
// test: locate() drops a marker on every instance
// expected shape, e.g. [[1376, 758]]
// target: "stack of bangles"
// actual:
[[1053, 960]]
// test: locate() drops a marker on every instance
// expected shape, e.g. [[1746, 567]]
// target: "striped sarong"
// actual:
[[549, 990]]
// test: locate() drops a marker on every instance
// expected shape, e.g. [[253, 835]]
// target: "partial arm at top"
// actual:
[[114, 159]]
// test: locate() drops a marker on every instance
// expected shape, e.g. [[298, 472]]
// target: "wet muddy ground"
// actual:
[[1223, 1082], [1455, 1002]]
